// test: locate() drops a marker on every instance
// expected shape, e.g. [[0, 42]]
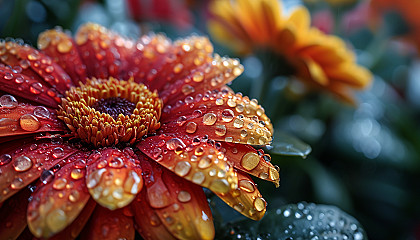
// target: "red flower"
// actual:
[[113, 135]]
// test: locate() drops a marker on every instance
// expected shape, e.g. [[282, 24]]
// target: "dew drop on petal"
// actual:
[[59, 183], [259, 204], [46, 176], [8, 101], [74, 196], [77, 173], [205, 161], [175, 143], [184, 196], [209, 118], [22, 164], [5, 159], [219, 185], [17, 183], [116, 162], [227, 115], [41, 112], [220, 130], [191, 127], [250, 160], [58, 152], [56, 220], [182, 168], [198, 178], [29, 122], [64, 46], [239, 207], [238, 123], [246, 186], [36, 88]]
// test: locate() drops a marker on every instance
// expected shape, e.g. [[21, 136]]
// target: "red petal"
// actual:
[[13, 215], [62, 48], [28, 88], [199, 162], [25, 119], [26, 160], [246, 199], [105, 53], [249, 160], [55, 205], [181, 205], [73, 230], [106, 224], [148, 224], [113, 177]]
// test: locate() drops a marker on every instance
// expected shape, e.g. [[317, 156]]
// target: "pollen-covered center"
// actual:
[[106, 112]]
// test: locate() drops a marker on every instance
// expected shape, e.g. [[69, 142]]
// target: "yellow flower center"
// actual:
[[105, 112]]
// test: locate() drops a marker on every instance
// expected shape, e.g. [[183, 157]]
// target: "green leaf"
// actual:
[[297, 221], [285, 144]]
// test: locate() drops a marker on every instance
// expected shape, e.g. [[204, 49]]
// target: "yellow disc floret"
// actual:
[[106, 112]]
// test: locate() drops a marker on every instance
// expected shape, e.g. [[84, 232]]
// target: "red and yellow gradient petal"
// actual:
[[105, 224], [56, 204], [62, 48], [193, 159], [113, 177], [246, 199], [25, 162], [173, 198], [13, 214]]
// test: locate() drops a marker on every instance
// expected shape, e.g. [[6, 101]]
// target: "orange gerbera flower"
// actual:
[[321, 61], [113, 135]]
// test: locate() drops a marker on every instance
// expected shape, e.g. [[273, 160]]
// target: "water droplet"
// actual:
[[220, 130], [116, 162], [250, 161], [220, 101], [5, 159], [59, 183], [263, 175], [227, 115], [182, 168], [286, 213], [219, 186], [8, 101], [64, 46], [41, 112], [260, 204], [56, 220], [198, 178], [247, 186], [58, 152], [29, 122], [205, 161], [22, 164], [77, 173], [178, 68], [209, 118], [17, 183], [36, 88], [74, 196], [175, 144], [191, 127], [238, 123], [358, 236], [184, 196], [46, 176]]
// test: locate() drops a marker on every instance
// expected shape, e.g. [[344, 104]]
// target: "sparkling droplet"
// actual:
[[46, 176], [250, 161], [220, 130], [227, 115], [259, 204], [246, 186], [58, 152], [8, 101], [191, 127], [59, 183], [198, 178], [41, 112], [175, 144], [74, 196], [116, 162], [29, 122], [17, 183], [64, 46], [205, 161], [77, 173], [56, 220], [238, 123], [22, 164], [5, 159], [209, 118], [182, 168], [219, 101], [219, 186], [239, 207], [184, 196]]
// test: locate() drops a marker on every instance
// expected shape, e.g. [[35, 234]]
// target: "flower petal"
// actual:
[[13, 213], [56, 204], [27, 87], [25, 119], [26, 159], [192, 159], [106, 224], [246, 199], [113, 177], [41, 65], [105, 53], [251, 161], [221, 115], [184, 199], [62, 48], [148, 224], [210, 76]]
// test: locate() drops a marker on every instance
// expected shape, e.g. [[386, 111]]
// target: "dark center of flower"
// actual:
[[115, 106], [105, 112]]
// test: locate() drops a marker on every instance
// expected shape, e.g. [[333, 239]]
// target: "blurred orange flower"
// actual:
[[320, 61]]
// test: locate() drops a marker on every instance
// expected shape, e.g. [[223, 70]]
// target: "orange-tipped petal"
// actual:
[[113, 178], [183, 198], [13, 215], [148, 224], [23, 118], [105, 53], [252, 161], [246, 199], [26, 160], [56, 204], [105, 224], [196, 160], [28, 88], [62, 48]]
